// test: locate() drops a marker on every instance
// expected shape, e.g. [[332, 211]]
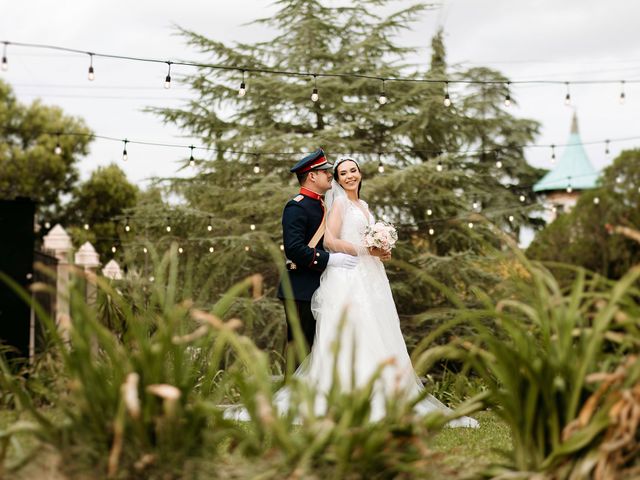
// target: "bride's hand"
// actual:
[[380, 253]]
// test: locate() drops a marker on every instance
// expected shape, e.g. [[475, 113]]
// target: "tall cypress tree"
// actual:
[[413, 135]]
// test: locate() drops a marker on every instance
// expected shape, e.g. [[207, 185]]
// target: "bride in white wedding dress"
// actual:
[[362, 299], [356, 305]]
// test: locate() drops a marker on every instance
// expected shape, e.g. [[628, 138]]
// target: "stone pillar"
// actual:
[[88, 259], [59, 242], [112, 270]]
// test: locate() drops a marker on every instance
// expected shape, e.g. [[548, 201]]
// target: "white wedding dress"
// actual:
[[357, 304]]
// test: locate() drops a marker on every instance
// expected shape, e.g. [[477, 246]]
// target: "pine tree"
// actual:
[[277, 116]]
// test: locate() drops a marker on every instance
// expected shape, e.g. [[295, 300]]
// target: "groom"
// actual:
[[303, 226]]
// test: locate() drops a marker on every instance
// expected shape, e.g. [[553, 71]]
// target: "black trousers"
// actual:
[[307, 322]]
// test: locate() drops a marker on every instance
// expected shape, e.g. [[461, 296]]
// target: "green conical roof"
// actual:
[[574, 168]]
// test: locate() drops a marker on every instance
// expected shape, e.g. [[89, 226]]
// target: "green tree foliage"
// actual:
[[100, 203], [581, 237], [277, 115], [29, 166]]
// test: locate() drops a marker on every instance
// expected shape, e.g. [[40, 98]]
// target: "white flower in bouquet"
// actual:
[[381, 235]]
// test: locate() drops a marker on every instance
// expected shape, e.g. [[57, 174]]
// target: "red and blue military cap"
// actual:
[[314, 161]]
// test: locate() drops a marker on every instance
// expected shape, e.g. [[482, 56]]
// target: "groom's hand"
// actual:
[[380, 253], [342, 260]]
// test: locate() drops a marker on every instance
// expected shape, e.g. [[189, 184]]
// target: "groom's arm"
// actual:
[[296, 249]]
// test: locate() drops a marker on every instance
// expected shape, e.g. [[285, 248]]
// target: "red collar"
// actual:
[[309, 193]]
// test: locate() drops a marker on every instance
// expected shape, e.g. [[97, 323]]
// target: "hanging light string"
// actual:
[[252, 153], [293, 73]]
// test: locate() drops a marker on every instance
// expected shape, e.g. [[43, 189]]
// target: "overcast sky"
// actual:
[[565, 40]]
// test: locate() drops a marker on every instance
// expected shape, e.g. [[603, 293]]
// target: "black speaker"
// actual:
[[16, 260]]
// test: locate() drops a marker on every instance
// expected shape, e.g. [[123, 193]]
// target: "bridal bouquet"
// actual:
[[381, 235]]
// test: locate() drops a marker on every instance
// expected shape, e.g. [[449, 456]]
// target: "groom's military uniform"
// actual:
[[303, 221]]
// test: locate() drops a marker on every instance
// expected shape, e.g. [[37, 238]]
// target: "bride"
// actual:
[[358, 305]]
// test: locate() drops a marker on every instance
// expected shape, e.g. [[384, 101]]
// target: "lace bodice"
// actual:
[[354, 221]]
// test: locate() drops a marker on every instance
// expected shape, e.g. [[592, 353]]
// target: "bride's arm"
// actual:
[[332, 238]]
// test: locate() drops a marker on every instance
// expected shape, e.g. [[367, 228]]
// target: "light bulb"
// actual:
[[180, 250], [380, 168], [439, 166], [507, 100], [522, 198], [281, 248], [499, 164], [167, 79], [152, 278], [209, 227], [511, 218], [125, 155], [47, 225], [256, 168], [447, 100], [5, 64], [86, 226], [476, 205], [58, 149], [429, 212], [246, 249], [127, 228], [211, 249], [144, 249], [382, 99], [596, 200], [431, 231], [619, 179], [252, 227], [168, 228], [569, 189], [242, 90], [314, 95], [92, 75], [113, 249], [470, 224]]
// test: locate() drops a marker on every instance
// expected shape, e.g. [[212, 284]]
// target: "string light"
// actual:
[[125, 155], [180, 250], [507, 98], [314, 93], [192, 161], [127, 227], [553, 154], [596, 200], [429, 212], [567, 97], [622, 95], [144, 250], [382, 99], [380, 165], [5, 64], [476, 205], [439, 166], [281, 248], [58, 149], [167, 79], [86, 226], [470, 224], [168, 228], [498, 164], [511, 218], [47, 225], [256, 168], [92, 75], [113, 248], [252, 227], [210, 227], [619, 179], [606, 147], [447, 98], [246, 248], [211, 249], [569, 187], [242, 91], [431, 231], [522, 198]]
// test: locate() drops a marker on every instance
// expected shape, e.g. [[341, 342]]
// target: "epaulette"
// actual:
[[297, 198]]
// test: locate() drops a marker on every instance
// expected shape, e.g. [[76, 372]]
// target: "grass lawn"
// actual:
[[466, 450]]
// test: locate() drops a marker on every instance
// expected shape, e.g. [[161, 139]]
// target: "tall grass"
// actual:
[[145, 400]]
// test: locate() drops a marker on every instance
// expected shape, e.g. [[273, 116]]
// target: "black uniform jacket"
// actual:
[[300, 220]]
